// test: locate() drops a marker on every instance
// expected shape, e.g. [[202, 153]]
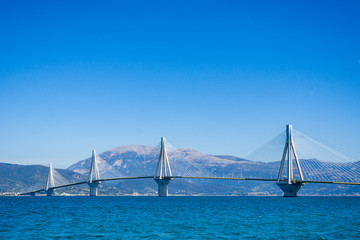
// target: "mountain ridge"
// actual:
[[141, 160]]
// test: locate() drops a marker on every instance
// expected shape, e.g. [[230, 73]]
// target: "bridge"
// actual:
[[293, 173]]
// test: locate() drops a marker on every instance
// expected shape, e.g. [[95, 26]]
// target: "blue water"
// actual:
[[179, 218]]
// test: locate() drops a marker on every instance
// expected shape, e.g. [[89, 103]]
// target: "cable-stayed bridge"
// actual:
[[295, 159]]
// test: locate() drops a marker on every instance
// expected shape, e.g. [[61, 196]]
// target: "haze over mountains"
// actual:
[[139, 160]]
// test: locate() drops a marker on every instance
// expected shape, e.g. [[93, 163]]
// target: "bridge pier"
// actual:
[[93, 188], [49, 192], [290, 190], [163, 186]]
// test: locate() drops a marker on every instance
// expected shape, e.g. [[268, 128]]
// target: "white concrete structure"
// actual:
[[288, 185], [50, 183], [94, 176], [163, 174]]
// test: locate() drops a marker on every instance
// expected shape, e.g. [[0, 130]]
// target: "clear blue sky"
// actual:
[[221, 77]]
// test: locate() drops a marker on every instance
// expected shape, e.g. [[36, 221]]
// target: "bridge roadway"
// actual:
[[189, 177]]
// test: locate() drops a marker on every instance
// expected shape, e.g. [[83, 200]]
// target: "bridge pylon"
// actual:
[[94, 176], [289, 185], [163, 174], [50, 183]]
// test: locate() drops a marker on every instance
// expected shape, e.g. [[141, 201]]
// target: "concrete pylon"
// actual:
[[288, 185], [50, 183], [94, 176], [163, 174]]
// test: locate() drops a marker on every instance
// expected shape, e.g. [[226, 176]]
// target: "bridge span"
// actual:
[[187, 177], [163, 174]]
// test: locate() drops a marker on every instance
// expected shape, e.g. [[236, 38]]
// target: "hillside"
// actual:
[[20, 178], [139, 160]]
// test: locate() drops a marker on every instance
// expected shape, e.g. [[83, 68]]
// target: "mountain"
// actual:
[[139, 160]]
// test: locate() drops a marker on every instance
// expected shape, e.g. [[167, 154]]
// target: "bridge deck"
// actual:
[[189, 177]]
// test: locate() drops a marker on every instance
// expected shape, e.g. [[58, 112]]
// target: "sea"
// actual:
[[179, 217]]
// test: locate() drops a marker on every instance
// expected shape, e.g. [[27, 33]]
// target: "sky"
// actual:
[[222, 77]]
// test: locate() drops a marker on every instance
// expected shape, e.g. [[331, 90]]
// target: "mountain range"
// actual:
[[139, 160]]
